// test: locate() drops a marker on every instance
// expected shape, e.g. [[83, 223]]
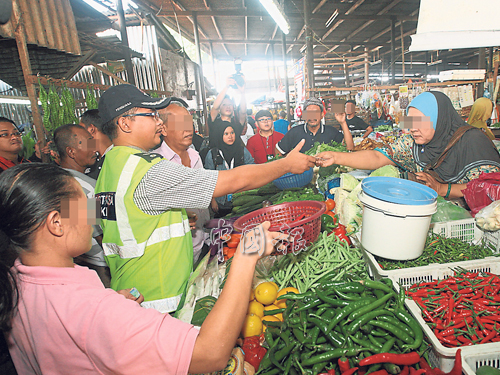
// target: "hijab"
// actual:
[[479, 113], [473, 150], [231, 152]]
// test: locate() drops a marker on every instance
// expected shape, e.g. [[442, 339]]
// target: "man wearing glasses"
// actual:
[[11, 144], [263, 144], [146, 233]]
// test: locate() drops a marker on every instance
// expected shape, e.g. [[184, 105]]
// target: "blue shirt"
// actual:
[[281, 126]]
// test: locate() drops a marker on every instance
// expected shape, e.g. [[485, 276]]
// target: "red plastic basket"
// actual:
[[302, 220]]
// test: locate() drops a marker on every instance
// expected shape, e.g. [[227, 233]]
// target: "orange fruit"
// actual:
[[252, 326], [256, 308], [266, 293]]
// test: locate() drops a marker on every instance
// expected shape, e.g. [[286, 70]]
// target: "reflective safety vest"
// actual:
[[153, 253]]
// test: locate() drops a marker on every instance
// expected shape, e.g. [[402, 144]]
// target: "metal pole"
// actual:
[[402, 51], [309, 45], [268, 74], [393, 55], [287, 89], [213, 63], [346, 72], [481, 64], [426, 66], [200, 64], [367, 68], [123, 32], [275, 76]]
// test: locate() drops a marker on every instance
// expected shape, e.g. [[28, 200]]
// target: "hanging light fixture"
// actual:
[[277, 13]]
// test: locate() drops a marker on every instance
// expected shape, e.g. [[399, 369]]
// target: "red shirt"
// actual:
[[260, 147], [6, 164]]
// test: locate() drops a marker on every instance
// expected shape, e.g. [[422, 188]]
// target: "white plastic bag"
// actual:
[[488, 218]]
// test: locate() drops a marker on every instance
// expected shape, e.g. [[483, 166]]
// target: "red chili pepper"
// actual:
[[490, 336], [449, 341], [380, 372], [348, 372], [457, 366], [424, 365], [398, 359], [464, 340], [344, 364], [405, 371]]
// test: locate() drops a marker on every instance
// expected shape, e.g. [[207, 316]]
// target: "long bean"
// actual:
[[328, 258]]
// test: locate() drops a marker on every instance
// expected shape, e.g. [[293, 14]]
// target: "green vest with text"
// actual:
[[153, 253]]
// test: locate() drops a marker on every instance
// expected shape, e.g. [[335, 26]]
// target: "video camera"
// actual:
[[238, 76]]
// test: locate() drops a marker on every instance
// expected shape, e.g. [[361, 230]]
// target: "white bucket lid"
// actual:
[[394, 209]]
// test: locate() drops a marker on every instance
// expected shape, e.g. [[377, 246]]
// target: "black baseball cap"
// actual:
[[262, 113], [119, 99]]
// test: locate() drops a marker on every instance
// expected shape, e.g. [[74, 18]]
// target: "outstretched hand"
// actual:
[[299, 162], [325, 159]]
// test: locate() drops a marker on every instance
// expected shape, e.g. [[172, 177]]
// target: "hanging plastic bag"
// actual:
[[489, 217], [482, 191]]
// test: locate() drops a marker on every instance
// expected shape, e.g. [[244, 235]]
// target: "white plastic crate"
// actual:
[[412, 275], [439, 355], [472, 361], [465, 229]]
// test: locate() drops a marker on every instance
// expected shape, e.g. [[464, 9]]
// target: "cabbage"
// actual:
[[350, 214], [348, 182], [386, 171], [353, 195]]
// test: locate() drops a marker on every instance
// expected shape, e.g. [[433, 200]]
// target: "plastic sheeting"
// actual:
[[453, 24]]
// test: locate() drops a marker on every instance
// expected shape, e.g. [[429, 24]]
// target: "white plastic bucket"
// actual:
[[394, 231]]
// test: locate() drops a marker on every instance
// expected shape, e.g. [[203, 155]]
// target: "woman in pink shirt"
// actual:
[[59, 318]]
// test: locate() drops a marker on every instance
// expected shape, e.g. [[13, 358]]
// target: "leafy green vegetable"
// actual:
[[321, 147], [28, 145], [383, 128], [386, 171], [202, 309], [348, 182]]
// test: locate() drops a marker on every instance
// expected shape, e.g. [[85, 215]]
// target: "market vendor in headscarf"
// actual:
[[229, 152], [433, 123], [479, 113]]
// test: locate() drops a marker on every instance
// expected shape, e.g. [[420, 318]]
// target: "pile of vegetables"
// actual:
[[251, 200], [384, 128], [462, 309], [295, 195], [439, 249], [343, 327], [321, 147], [329, 258], [348, 207], [57, 110]]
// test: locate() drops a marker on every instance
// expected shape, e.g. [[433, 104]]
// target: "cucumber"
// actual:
[[243, 210], [246, 200], [268, 189], [246, 192]]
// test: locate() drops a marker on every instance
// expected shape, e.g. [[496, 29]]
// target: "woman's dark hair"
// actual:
[[28, 193]]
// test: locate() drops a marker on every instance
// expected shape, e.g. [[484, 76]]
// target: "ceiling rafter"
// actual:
[[368, 23]]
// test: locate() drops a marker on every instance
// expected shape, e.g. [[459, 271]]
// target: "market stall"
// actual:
[[329, 304]]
